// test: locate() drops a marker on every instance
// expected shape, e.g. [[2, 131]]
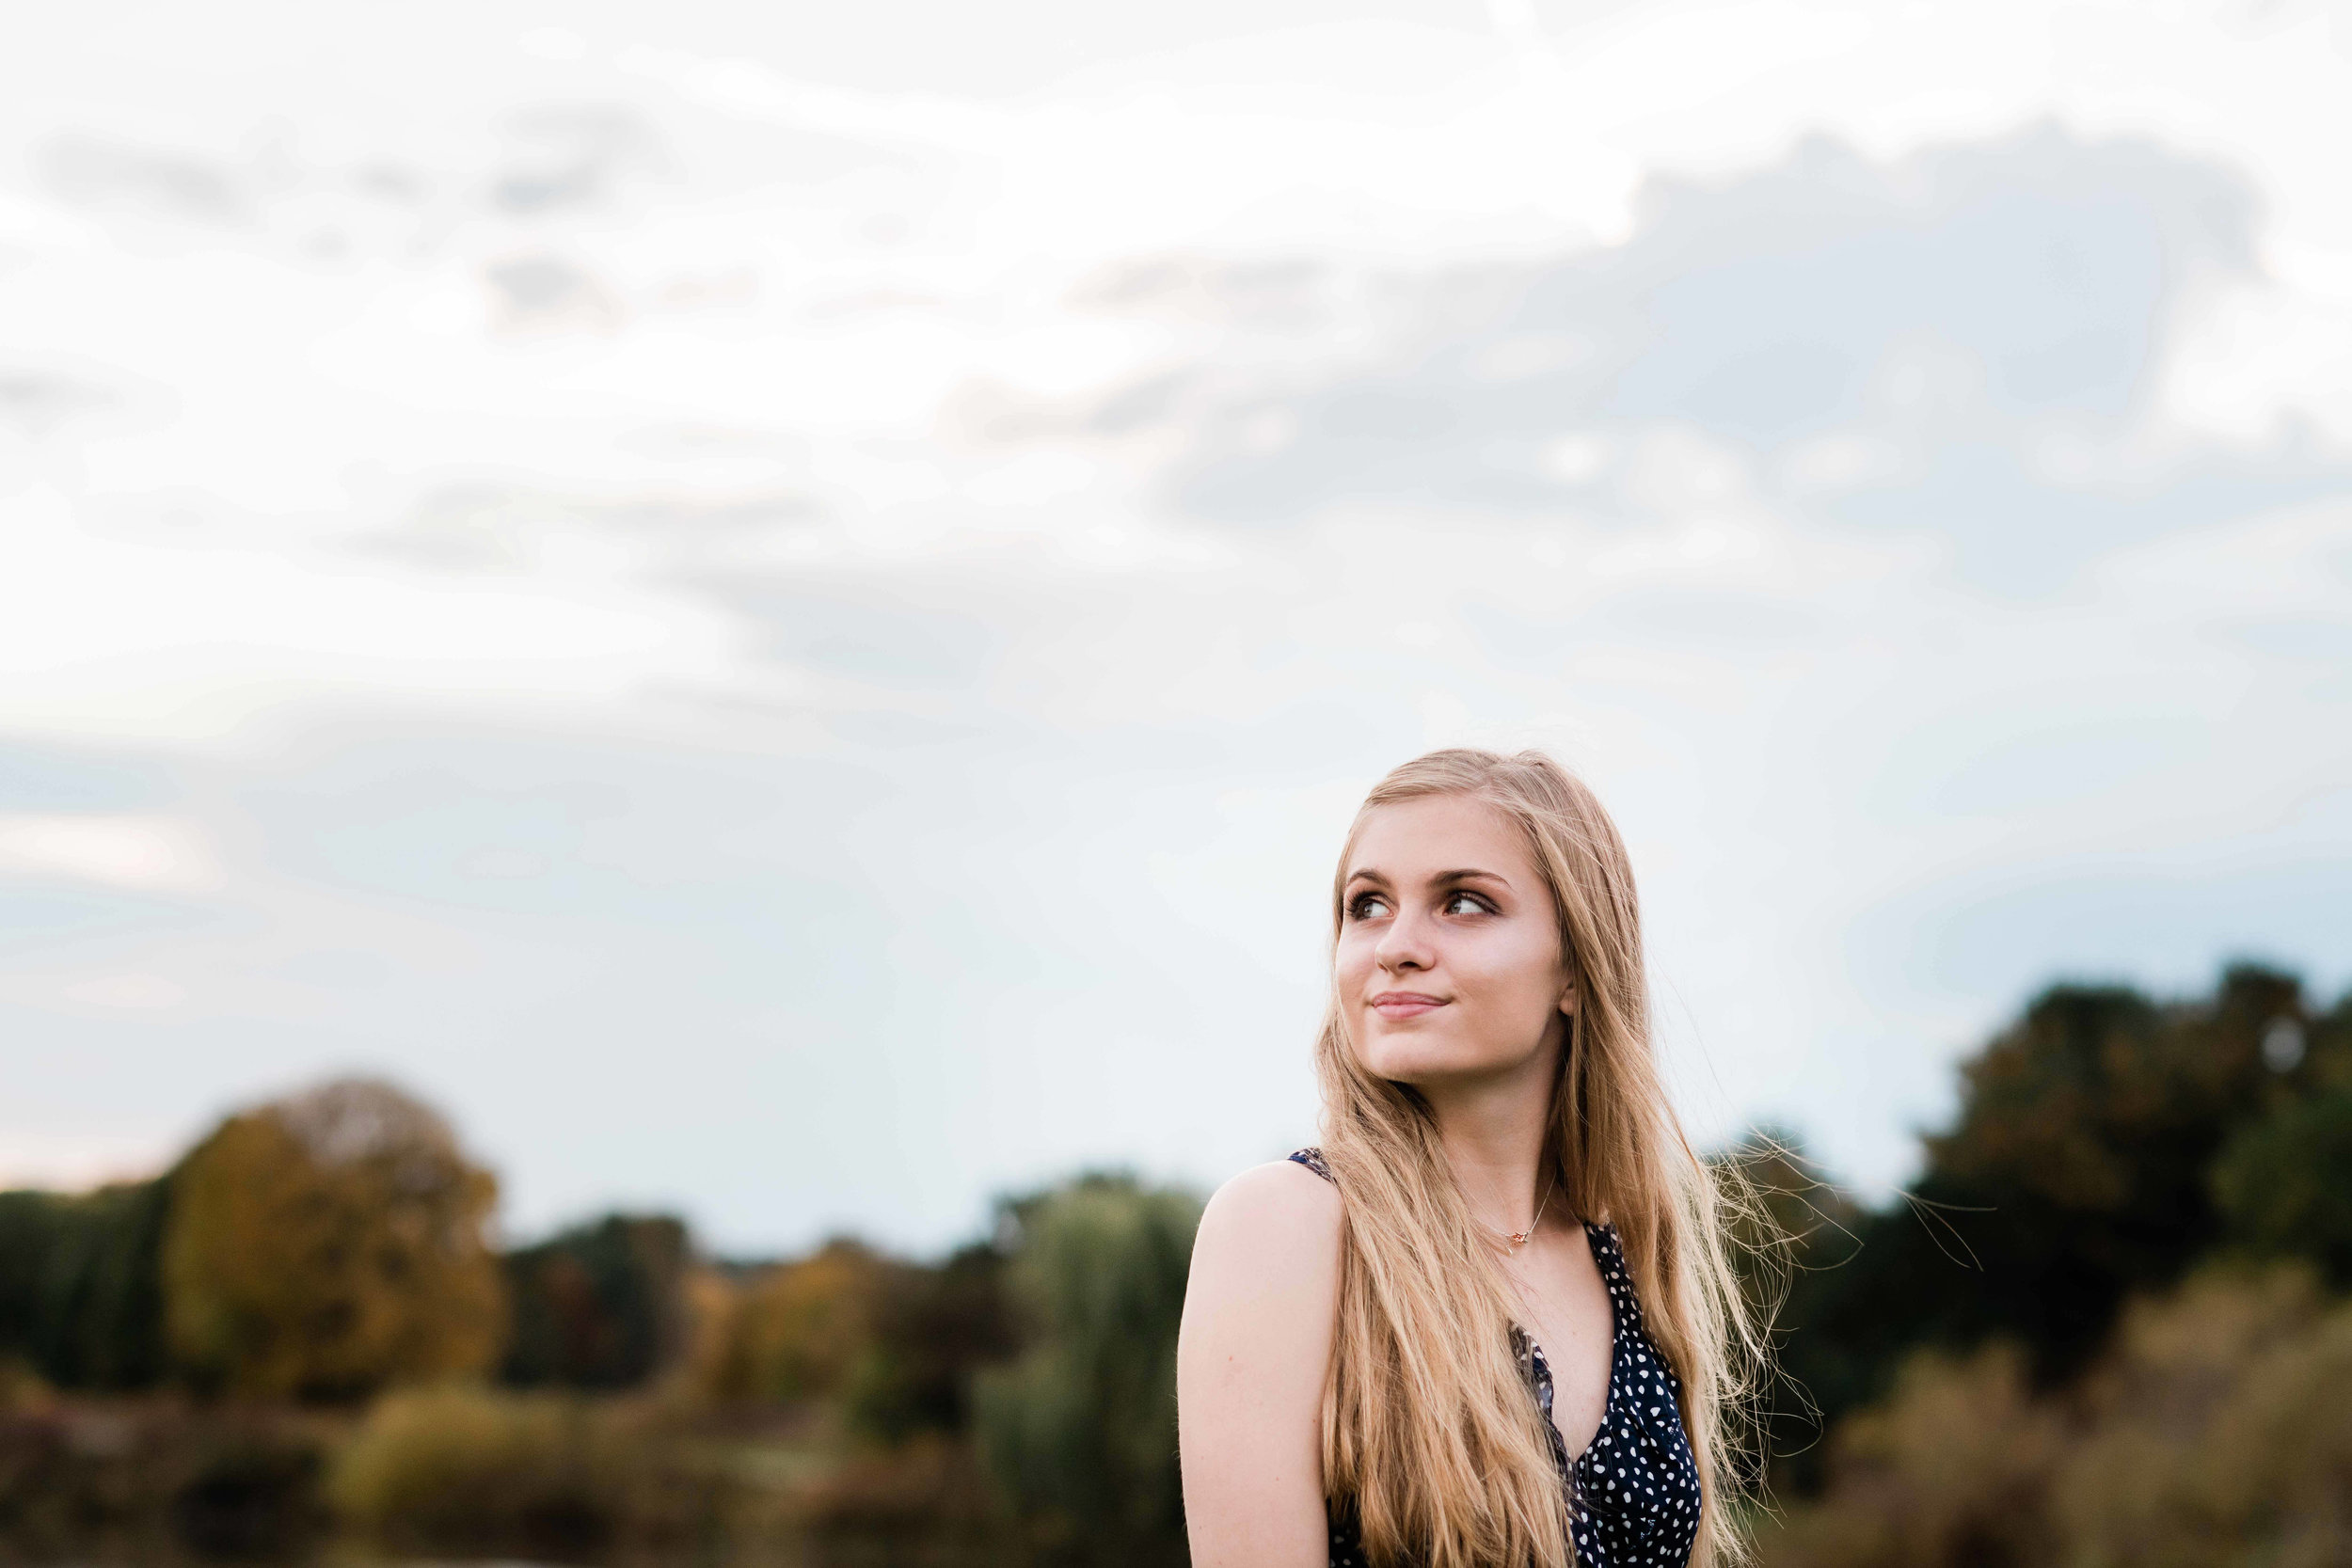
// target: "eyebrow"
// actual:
[[1466, 874]]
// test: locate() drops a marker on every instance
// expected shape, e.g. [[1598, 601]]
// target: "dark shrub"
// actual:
[[158, 1479]]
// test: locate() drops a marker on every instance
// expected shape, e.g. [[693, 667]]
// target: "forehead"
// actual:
[[1432, 833]]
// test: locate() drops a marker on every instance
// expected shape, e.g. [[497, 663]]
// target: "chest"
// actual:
[[1634, 1483], [1563, 1306]]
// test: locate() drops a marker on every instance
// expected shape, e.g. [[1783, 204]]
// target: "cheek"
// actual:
[[1351, 962], [1514, 976]]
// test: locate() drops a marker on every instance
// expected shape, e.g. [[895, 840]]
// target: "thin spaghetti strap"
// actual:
[[1312, 1160]]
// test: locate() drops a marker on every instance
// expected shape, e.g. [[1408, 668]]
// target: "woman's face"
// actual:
[[1450, 966]]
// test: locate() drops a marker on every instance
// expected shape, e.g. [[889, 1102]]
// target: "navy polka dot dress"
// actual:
[[1634, 1492]]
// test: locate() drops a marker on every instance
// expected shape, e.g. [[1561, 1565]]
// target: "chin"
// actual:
[[1403, 1059]]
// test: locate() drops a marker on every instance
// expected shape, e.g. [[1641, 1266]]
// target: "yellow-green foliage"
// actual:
[[433, 1462], [328, 1245], [1953, 1468], [2221, 1432], [798, 1331], [2216, 1434], [461, 1468]]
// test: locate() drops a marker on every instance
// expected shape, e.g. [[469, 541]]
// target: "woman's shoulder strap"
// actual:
[[1608, 1257], [1312, 1160]]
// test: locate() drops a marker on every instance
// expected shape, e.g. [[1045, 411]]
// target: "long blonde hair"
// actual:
[[1428, 1432]]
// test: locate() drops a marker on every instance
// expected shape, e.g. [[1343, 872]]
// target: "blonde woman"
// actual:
[[1489, 1322]]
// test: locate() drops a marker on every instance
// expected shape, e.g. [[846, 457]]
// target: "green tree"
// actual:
[[81, 1295], [2285, 1183], [1080, 1432], [601, 1306], [934, 1328], [2104, 1144], [328, 1245]]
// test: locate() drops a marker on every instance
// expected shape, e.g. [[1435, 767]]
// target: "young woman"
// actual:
[[1489, 1322]]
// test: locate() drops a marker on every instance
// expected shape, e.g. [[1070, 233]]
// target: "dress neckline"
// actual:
[[1633, 1495], [1539, 1365]]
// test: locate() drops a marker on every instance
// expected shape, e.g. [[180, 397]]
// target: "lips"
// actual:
[[1406, 1004]]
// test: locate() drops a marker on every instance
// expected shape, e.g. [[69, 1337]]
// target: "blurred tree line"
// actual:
[[607, 1387], [2104, 1295], [2107, 1324]]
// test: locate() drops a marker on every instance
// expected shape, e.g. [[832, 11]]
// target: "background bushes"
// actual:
[[478, 1471], [159, 1480], [2217, 1432]]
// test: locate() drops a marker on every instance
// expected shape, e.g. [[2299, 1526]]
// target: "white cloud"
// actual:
[[877, 650], [141, 852], [140, 991]]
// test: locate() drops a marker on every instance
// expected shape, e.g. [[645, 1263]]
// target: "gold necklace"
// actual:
[[1513, 1240]]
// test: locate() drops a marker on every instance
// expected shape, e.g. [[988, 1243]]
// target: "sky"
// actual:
[[782, 610]]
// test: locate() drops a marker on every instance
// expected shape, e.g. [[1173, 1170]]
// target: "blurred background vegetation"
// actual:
[[2108, 1323]]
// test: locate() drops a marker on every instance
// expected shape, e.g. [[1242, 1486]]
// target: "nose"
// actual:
[[1404, 945]]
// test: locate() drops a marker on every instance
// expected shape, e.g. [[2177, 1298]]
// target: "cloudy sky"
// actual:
[[781, 608]]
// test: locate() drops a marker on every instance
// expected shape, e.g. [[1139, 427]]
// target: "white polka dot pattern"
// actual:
[[1633, 1494]]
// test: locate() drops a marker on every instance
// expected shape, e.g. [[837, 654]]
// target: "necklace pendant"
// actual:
[[1518, 1238]]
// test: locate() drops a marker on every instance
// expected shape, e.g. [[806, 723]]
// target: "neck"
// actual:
[[1493, 1131]]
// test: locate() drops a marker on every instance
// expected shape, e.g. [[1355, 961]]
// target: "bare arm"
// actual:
[[1250, 1364]]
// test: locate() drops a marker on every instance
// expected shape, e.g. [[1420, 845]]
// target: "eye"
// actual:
[[1461, 902], [1367, 906]]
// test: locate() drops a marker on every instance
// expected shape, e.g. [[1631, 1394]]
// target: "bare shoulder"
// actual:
[[1270, 1232], [1281, 1196], [1251, 1363], [1261, 1301]]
